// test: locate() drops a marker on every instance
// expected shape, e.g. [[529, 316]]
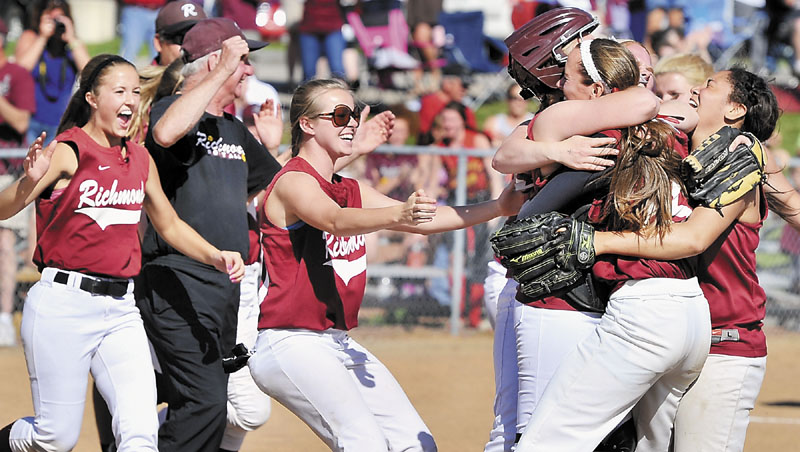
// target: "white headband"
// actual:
[[588, 64]]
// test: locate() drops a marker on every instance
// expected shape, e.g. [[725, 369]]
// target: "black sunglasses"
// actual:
[[341, 114]]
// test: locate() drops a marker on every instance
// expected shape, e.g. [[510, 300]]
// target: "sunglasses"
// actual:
[[341, 114]]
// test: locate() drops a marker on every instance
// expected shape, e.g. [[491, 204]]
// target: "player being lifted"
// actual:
[[90, 186]]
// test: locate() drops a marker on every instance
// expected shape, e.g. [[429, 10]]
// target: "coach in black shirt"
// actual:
[[209, 165]]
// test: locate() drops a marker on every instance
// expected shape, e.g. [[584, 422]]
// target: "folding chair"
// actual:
[[384, 43], [473, 51], [467, 45]]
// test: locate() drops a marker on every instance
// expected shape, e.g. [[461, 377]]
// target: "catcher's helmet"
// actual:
[[536, 49]]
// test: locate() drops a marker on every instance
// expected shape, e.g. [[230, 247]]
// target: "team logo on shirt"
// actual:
[[338, 247], [99, 203], [217, 148]]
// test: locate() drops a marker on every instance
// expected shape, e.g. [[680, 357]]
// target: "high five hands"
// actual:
[[418, 209]]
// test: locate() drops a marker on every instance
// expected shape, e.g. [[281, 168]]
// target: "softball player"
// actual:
[[549, 332], [714, 414], [90, 186], [652, 302], [312, 223]]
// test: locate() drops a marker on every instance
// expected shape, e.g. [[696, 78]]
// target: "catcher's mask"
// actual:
[[536, 49]]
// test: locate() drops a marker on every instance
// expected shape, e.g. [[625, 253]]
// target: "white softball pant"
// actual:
[[527, 352], [545, 338], [649, 347], [67, 333], [504, 353], [714, 414], [337, 387], [492, 287], [248, 406]]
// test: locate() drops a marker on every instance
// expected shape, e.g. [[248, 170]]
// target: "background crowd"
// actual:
[[419, 45]]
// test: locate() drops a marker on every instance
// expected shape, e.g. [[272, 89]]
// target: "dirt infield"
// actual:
[[450, 381]]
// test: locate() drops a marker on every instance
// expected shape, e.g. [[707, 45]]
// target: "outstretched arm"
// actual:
[[450, 218], [685, 239], [181, 236], [297, 197]]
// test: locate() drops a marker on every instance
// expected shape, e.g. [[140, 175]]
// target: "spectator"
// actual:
[[483, 182], [396, 175], [676, 75], [172, 22], [663, 14], [16, 106], [136, 22], [645, 62], [256, 93], [666, 42], [423, 18], [321, 31], [705, 23], [243, 12], [54, 55], [785, 26], [452, 89], [499, 126]]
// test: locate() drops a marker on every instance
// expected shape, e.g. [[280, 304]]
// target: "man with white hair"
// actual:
[[209, 165]]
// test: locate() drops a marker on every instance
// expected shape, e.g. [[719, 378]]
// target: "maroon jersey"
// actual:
[[316, 280], [727, 274], [90, 225], [618, 269]]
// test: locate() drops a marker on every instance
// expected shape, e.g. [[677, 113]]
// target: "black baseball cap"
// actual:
[[176, 18]]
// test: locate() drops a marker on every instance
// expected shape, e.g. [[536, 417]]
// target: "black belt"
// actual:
[[116, 288]]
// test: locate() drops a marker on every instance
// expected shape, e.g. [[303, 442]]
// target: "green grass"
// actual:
[[789, 127]]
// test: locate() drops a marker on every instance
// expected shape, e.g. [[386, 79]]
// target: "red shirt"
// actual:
[[150, 4], [316, 280], [91, 225], [618, 269], [16, 86], [727, 274], [431, 105], [477, 177], [321, 16]]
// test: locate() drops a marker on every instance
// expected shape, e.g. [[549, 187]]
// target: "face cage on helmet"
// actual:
[[530, 85], [558, 52]]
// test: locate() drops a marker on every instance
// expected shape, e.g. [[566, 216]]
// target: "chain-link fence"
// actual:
[[411, 278], [414, 289]]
